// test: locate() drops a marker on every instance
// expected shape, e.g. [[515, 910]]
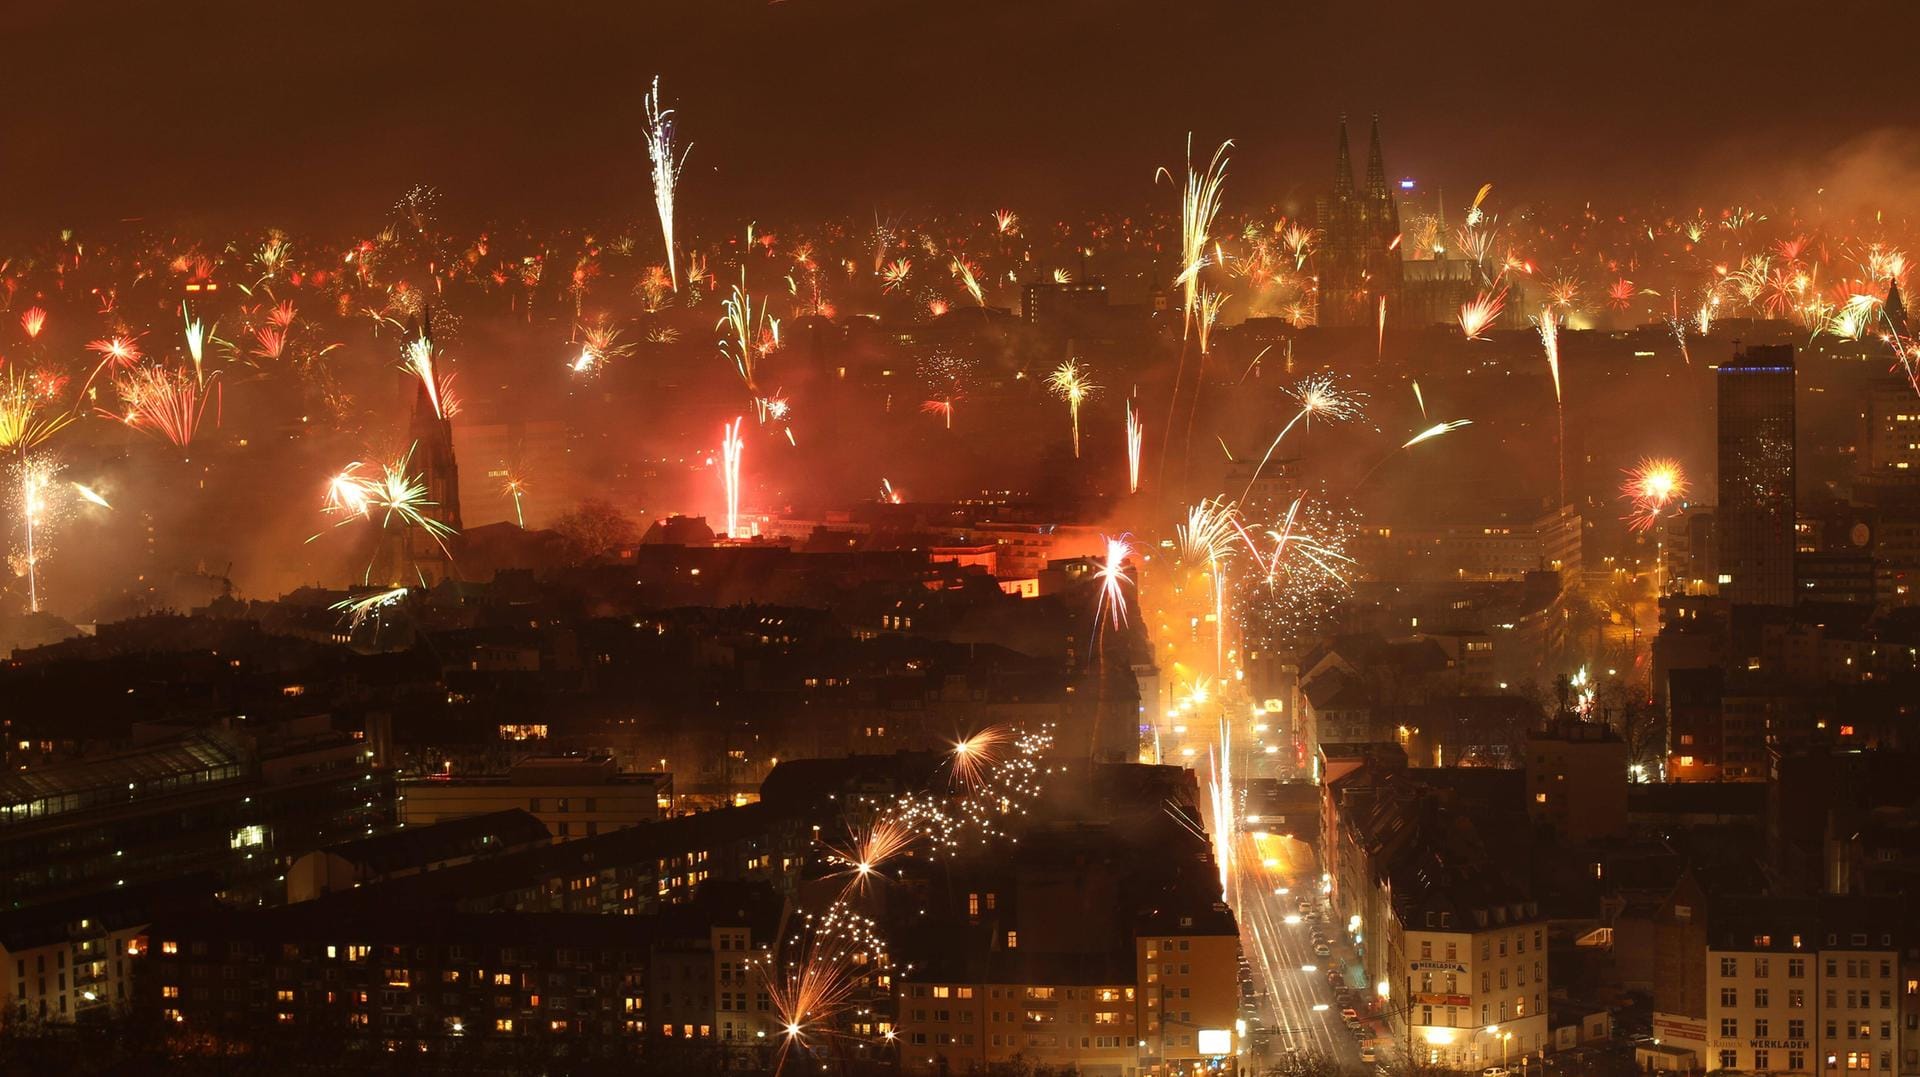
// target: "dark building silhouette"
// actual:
[[1755, 517], [1359, 265]]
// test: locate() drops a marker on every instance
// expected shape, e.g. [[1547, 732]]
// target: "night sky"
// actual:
[[301, 113]]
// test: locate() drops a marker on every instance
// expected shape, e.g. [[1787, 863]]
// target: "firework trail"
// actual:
[[1069, 382], [1435, 431], [1679, 330], [33, 320], [1221, 799], [731, 448], [514, 487], [197, 334], [1549, 326], [1136, 434], [418, 360], [740, 344], [1428, 434], [1651, 486], [1207, 536], [1318, 394], [1207, 312], [359, 609], [1199, 205], [963, 270], [666, 172], [1420, 399], [38, 509], [1006, 222], [89, 495]]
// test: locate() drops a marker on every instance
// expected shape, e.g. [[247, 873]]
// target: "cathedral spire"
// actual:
[[1894, 307], [1376, 167], [1343, 168]]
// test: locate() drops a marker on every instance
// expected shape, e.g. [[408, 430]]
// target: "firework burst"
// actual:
[[1114, 582], [1477, 315], [1651, 486], [973, 756], [161, 401], [1069, 382], [23, 425]]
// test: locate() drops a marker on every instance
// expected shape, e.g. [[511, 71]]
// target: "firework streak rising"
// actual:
[[1318, 394], [1136, 435], [666, 172], [1199, 205], [731, 448]]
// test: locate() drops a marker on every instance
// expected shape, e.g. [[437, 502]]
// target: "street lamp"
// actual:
[[1505, 1038]]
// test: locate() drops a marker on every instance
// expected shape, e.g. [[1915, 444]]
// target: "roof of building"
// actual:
[[645, 843], [104, 910], [206, 755], [421, 846]]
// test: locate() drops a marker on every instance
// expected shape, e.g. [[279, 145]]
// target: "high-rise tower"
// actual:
[[1358, 263], [1755, 517]]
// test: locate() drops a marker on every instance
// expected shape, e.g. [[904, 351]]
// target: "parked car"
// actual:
[[1350, 1013], [1323, 950], [1367, 1054]]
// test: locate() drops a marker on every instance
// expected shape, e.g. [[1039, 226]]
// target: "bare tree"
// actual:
[[592, 528]]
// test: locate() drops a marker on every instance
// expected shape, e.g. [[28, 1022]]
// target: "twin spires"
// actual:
[[1376, 165]]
